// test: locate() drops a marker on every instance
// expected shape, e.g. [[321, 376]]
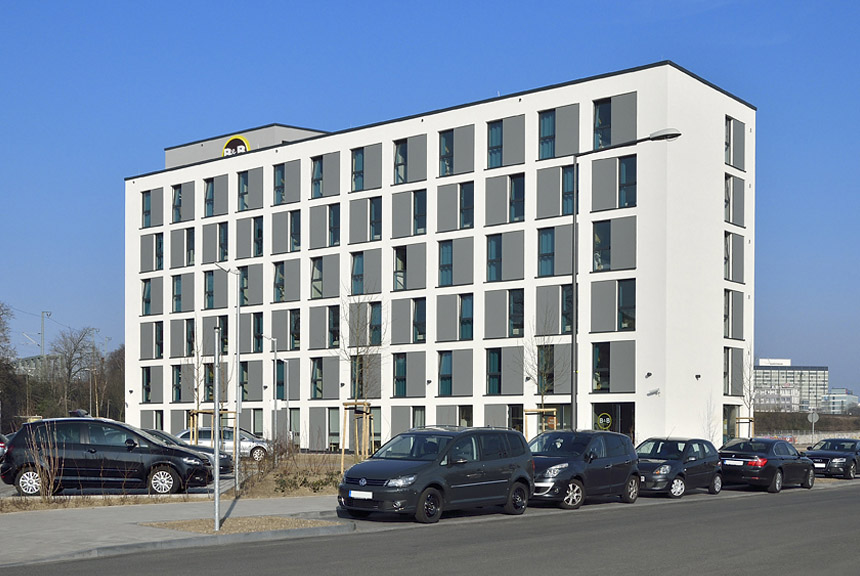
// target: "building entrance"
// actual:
[[615, 417]]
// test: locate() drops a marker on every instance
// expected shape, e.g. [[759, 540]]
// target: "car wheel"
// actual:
[[851, 473], [163, 480], [28, 482], [631, 490], [677, 487], [258, 454], [775, 483], [574, 496], [716, 484], [429, 506], [518, 499], [809, 479]]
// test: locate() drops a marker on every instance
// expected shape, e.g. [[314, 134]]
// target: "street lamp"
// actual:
[[667, 134], [236, 435], [275, 397], [90, 370]]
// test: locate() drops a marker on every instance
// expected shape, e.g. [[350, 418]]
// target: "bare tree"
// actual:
[[542, 363], [112, 395], [73, 347], [6, 315], [749, 392]]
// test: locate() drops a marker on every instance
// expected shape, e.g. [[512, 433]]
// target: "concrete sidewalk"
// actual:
[[47, 535]]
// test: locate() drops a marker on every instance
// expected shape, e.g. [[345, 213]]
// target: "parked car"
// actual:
[[674, 465], [765, 462], [95, 452], [249, 444], [3, 441], [835, 457], [226, 460], [571, 466], [424, 471]]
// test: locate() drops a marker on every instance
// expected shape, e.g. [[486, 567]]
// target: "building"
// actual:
[[423, 266], [781, 387], [839, 401]]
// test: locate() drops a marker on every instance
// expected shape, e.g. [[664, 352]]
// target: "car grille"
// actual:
[[364, 504], [370, 481]]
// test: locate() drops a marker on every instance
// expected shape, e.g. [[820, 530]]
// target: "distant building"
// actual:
[[838, 401], [781, 387], [32, 366]]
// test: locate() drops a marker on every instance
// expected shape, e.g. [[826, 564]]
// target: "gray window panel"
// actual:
[[246, 418], [497, 200], [736, 376], [292, 280], [400, 419], [416, 375], [461, 372], [319, 227], [496, 314], [512, 370], [464, 258], [561, 369], [447, 207], [331, 275], [513, 140], [295, 388], [548, 192], [373, 167], [446, 415], [255, 188], [281, 328], [157, 384], [318, 323], [416, 266], [566, 130], [208, 336], [187, 292], [331, 174], [187, 209], [737, 258], [147, 253], [255, 285], [623, 119], [147, 418], [358, 324], [373, 378], [547, 313], [177, 248], [210, 243], [496, 415], [623, 233], [373, 271], [737, 201], [738, 130], [245, 333], [604, 184], [254, 387], [156, 301], [358, 220], [156, 217], [244, 237], [221, 186], [512, 255], [737, 315], [317, 429], [331, 377], [292, 181], [622, 366], [401, 321], [603, 306], [464, 149], [147, 340], [220, 282], [187, 385], [447, 321], [401, 214], [563, 249], [280, 232], [417, 161]]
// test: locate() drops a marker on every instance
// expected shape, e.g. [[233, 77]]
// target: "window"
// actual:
[[733, 310], [399, 375], [376, 218], [257, 321], [419, 320], [446, 153], [176, 395], [209, 290], [546, 252], [189, 247], [189, 337], [243, 191], [244, 279], [733, 257], [494, 371], [419, 212], [146, 384], [517, 201], [159, 251], [280, 288], [419, 416], [208, 381], [358, 169], [209, 197], [445, 374], [146, 200], [626, 305], [159, 340], [222, 242], [546, 369], [147, 297], [467, 205], [316, 378], [400, 268], [515, 313], [600, 363], [494, 144], [280, 380], [225, 333], [358, 273], [278, 191], [177, 293], [258, 236], [566, 308], [333, 326], [602, 123], [494, 258], [546, 142], [375, 323], [334, 225], [317, 177], [357, 376], [295, 329], [446, 263], [295, 230], [243, 379], [569, 185], [316, 277], [177, 203], [465, 317], [627, 182], [400, 159], [602, 246], [728, 154]]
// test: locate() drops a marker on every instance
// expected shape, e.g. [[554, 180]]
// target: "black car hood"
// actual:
[[382, 469], [828, 454], [544, 462], [651, 464]]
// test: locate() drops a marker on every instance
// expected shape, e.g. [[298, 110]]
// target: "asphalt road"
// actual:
[[738, 532]]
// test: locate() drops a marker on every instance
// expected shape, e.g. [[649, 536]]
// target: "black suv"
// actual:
[[100, 453], [426, 470], [572, 465]]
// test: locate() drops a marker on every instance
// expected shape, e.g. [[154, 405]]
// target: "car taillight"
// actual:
[[757, 462]]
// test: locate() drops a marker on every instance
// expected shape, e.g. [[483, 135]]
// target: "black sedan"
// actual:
[[226, 466], [674, 465], [835, 457], [765, 462]]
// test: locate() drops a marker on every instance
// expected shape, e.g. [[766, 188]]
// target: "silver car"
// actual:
[[249, 445]]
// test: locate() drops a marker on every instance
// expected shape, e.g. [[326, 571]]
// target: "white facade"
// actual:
[[682, 372]]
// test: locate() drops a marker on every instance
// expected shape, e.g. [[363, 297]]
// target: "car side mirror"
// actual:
[[809, 447], [590, 456], [130, 443]]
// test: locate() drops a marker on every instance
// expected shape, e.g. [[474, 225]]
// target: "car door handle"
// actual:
[[607, 467], [91, 450]]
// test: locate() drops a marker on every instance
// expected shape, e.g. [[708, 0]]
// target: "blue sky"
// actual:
[[92, 92]]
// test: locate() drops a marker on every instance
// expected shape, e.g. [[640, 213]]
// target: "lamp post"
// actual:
[[275, 446], [90, 371], [216, 428], [667, 134], [236, 434]]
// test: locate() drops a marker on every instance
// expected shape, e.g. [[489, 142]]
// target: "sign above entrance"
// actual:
[[235, 145], [604, 421]]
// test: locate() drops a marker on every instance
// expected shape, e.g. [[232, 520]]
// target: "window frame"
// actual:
[[446, 152], [546, 134], [357, 165]]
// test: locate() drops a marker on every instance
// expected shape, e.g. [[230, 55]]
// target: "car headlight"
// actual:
[[838, 460], [401, 482], [554, 471], [661, 470], [192, 461]]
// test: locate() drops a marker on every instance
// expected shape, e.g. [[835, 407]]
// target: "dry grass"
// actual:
[[241, 525]]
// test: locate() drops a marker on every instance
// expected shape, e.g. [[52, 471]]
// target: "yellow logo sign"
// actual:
[[604, 421], [235, 145]]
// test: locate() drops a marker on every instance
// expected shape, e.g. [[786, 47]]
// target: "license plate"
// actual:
[[819, 465], [733, 462], [642, 478], [360, 495]]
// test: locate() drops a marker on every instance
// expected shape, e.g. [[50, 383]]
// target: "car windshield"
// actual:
[[413, 447], [167, 437], [661, 449], [559, 444], [835, 445]]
